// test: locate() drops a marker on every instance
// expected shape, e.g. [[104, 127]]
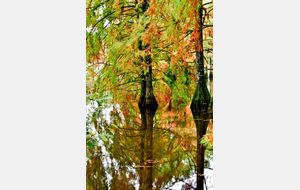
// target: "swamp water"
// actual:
[[137, 149]]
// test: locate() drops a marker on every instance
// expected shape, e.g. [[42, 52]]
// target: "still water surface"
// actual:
[[145, 149]]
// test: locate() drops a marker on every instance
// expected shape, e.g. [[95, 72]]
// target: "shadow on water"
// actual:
[[202, 119], [148, 148]]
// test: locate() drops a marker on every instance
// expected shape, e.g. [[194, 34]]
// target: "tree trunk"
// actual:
[[142, 101], [150, 98], [200, 102], [147, 98], [211, 78], [201, 96]]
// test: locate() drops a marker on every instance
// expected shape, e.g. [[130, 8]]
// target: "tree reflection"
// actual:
[[148, 148], [95, 174], [201, 118], [146, 166]]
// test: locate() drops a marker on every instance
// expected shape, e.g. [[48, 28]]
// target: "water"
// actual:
[[145, 149]]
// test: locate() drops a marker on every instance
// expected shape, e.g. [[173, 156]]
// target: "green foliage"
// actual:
[[119, 36]]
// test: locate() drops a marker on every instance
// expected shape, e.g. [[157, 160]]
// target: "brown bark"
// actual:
[[201, 96]]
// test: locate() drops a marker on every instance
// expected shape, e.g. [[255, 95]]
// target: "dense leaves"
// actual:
[[120, 34], [167, 46]]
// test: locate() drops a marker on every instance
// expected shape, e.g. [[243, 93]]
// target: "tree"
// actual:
[[126, 47], [150, 52]]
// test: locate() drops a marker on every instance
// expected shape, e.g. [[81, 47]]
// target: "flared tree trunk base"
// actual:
[[201, 98], [147, 98]]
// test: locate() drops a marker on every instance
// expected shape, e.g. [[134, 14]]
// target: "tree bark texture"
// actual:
[[147, 98], [201, 96]]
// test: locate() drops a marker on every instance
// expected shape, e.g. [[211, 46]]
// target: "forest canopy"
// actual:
[[149, 92], [122, 36]]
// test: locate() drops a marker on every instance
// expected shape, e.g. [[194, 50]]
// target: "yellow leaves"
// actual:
[[146, 37], [194, 3], [172, 60], [88, 5], [116, 5], [185, 27], [151, 11], [162, 93]]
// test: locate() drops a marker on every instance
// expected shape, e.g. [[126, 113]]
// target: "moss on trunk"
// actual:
[[201, 98], [147, 98]]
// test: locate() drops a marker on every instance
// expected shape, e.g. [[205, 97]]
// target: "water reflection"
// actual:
[[148, 148], [146, 166], [201, 118]]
